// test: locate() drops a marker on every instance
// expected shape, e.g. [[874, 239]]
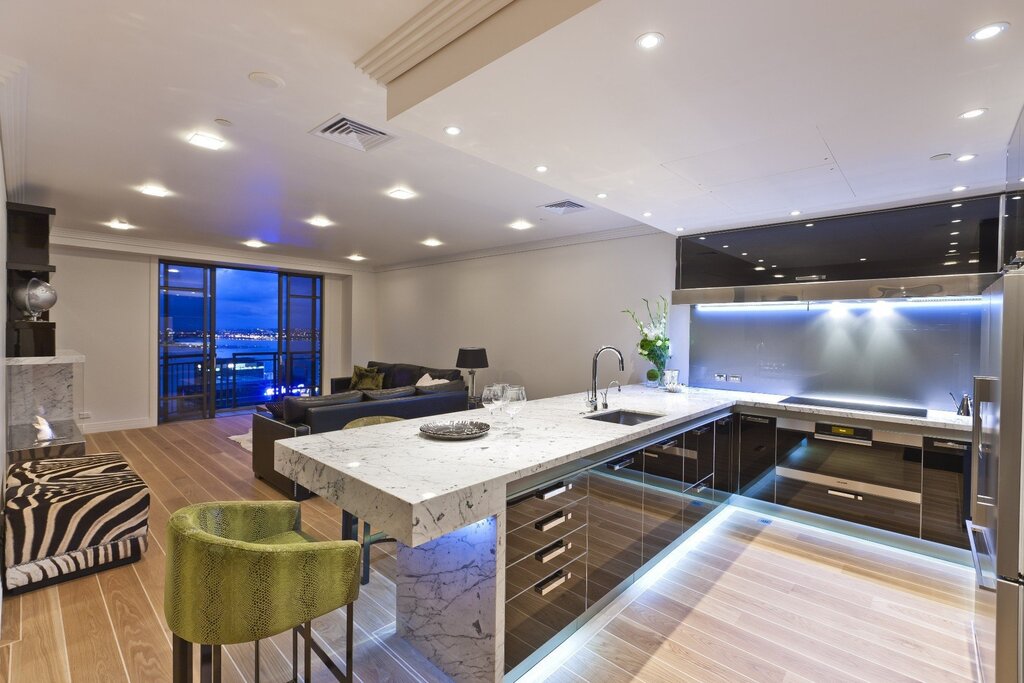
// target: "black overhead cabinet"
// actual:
[[904, 242]]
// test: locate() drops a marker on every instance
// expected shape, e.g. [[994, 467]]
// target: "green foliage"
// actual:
[[654, 342], [653, 375]]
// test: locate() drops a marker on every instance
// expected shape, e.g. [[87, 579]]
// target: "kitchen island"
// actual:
[[446, 502]]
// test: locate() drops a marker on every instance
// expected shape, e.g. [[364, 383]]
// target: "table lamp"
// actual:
[[471, 358]]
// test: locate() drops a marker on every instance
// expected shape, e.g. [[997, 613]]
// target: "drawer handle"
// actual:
[[616, 466], [552, 552], [844, 494], [556, 490], [552, 521], [551, 583]]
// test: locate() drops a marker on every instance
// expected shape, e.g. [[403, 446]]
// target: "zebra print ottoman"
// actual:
[[68, 517]]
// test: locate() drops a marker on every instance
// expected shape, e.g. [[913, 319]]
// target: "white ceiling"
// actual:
[[748, 110], [114, 86]]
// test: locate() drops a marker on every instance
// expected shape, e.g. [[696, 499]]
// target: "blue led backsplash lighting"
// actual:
[[904, 352]]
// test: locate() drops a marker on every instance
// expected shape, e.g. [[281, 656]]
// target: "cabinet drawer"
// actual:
[[529, 538], [530, 507], [536, 615], [543, 561], [861, 507]]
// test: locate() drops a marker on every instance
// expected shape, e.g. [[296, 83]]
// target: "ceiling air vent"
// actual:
[[351, 133], [563, 207]]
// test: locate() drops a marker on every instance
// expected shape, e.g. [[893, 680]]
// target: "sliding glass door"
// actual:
[[232, 338]]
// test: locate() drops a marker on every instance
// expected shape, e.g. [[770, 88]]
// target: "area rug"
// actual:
[[243, 440]]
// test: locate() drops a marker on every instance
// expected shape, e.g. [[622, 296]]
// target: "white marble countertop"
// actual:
[[418, 489], [63, 356]]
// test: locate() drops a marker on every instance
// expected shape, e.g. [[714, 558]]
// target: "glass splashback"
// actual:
[[903, 353]]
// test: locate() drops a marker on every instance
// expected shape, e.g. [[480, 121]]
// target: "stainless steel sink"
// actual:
[[624, 417]]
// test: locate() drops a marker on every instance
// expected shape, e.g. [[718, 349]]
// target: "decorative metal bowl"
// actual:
[[455, 430]]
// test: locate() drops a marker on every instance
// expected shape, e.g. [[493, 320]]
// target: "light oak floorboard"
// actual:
[[751, 602]]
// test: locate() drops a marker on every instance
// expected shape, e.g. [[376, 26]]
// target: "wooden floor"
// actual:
[[752, 601]]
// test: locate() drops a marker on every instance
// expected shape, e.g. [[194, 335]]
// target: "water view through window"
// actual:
[[232, 338]]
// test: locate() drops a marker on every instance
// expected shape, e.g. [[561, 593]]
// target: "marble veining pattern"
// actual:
[[419, 489], [448, 597], [49, 385]]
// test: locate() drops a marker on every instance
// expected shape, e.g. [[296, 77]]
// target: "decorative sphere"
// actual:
[[34, 297]]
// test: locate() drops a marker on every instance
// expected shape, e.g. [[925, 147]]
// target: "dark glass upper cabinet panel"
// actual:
[[956, 236], [1014, 225]]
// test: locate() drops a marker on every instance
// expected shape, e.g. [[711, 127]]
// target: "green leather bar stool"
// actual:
[[242, 571], [349, 522]]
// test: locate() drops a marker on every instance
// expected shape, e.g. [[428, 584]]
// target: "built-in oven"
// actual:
[[850, 472]]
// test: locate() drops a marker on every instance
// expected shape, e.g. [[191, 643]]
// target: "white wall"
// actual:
[[107, 309], [540, 314]]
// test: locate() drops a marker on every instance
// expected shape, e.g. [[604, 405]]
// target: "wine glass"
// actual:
[[515, 399], [492, 397]]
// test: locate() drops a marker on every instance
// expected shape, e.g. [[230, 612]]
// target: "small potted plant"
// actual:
[[654, 345]]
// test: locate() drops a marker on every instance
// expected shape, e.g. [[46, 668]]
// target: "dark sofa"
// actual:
[[316, 419]]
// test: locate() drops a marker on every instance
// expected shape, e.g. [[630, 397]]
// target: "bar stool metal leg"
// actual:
[[349, 639], [182, 660], [257, 680], [307, 632], [205, 664], [295, 655], [216, 664]]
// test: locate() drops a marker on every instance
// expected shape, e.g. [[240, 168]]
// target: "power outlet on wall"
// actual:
[[84, 415], [735, 378], [719, 376]]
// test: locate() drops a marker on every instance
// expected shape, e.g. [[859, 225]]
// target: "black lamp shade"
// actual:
[[472, 357]]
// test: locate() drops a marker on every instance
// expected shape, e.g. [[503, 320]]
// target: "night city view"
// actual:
[[254, 363]]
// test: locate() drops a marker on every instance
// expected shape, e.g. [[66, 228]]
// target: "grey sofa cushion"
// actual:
[[457, 385], [384, 394], [295, 406]]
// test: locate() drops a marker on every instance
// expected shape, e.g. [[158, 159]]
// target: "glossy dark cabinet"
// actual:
[[904, 242], [726, 462], [755, 448], [616, 523], [945, 505]]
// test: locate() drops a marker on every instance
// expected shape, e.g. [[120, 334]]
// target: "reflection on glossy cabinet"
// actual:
[[726, 462], [615, 539], [756, 450], [944, 498]]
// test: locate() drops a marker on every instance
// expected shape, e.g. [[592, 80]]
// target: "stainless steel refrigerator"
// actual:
[[996, 484]]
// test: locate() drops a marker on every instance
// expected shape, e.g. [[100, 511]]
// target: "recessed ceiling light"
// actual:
[[954, 233], [1020, 180], [154, 190], [743, 254], [957, 220], [223, 122], [646, 214], [953, 244], [973, 260], [320, 221], [956, 206], [520, 225], [966, 157], [255, 244], [431, 242], [778, 275], [1015, 197], [758, 267], [649, 41], [808, 225], [973, 113], [118, 224], [863, 259], [355, 257], [702, 238], [950, 263], [680, 229], [760, 260], [774, 266], [205, 141], [541, 169], [989, 31], [794, 212], [602, 195], [952, 251], [725, 246], [452, 130], [940, 157], [401, 193], [266, 80], [959, 188]]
